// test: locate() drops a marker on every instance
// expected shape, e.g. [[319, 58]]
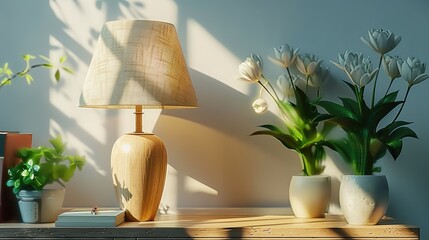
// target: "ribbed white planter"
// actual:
[[364, 199], [310, 195], [40, 206]]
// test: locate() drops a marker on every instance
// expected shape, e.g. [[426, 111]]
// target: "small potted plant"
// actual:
[[302, 131], [41, 166]]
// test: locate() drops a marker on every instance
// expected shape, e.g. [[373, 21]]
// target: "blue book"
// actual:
[[84, 218], [2, 143], [3, 136]]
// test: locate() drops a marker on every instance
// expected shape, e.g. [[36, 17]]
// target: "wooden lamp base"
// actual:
[[139, 167]]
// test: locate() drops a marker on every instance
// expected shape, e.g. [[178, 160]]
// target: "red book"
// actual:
[[11, 144]]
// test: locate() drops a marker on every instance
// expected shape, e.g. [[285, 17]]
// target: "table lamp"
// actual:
[[138, 64]]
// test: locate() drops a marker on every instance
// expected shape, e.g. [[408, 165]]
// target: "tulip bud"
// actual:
[[390, 65], [260, 105]]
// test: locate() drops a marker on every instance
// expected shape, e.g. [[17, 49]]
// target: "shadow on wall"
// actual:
[[19, 113], [95, 138], [233, 121], [211, 144], [236, 170]]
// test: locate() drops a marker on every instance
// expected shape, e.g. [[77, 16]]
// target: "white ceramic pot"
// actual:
[[310, 195], [52, 203], [364, 199], [40, 206]]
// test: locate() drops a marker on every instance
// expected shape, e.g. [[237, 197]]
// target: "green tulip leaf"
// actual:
[[391, 97], [321, 117], [390, 127], [352, 87], [341, 146], [379, 112], [272, 128], [352, 107], [335, 109], [395, 148], [403, 132], [287, 140], [347, 124]]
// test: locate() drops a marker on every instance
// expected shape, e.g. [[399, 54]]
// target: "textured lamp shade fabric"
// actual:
[[138, 62]]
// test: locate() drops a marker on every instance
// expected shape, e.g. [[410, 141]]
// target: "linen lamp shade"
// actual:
[[138, 64]]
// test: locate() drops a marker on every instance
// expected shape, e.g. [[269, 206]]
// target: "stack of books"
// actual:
[[10, 143]]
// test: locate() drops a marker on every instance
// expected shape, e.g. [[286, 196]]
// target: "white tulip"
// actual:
[[357, 68], [251, 69], [319, 77], [307, 63], [412, 70], [381, 41], [284, 56]]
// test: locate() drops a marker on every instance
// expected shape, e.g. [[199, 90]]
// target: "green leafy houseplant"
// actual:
[[367, 137], [43, 165], [301, 131], [7, 75]]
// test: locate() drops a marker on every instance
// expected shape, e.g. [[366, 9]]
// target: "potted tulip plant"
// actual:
[[41, 166], [301, 130], [367, 138]]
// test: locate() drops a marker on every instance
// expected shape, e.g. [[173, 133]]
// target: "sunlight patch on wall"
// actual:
[[194, 186], [65, 97], [71, 139], [207, 55], [179, 185], [165, 10], [150, 118], [82, 20], [170, 195]]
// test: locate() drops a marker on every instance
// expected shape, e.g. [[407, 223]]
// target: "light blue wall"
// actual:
[[213, 163]]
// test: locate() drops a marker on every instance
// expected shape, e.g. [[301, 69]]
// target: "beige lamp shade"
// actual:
[[138, 62]]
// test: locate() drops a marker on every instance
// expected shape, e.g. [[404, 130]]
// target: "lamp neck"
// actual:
[[139, 119]]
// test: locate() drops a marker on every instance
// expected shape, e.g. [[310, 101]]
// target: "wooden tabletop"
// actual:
[[199, 226]]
